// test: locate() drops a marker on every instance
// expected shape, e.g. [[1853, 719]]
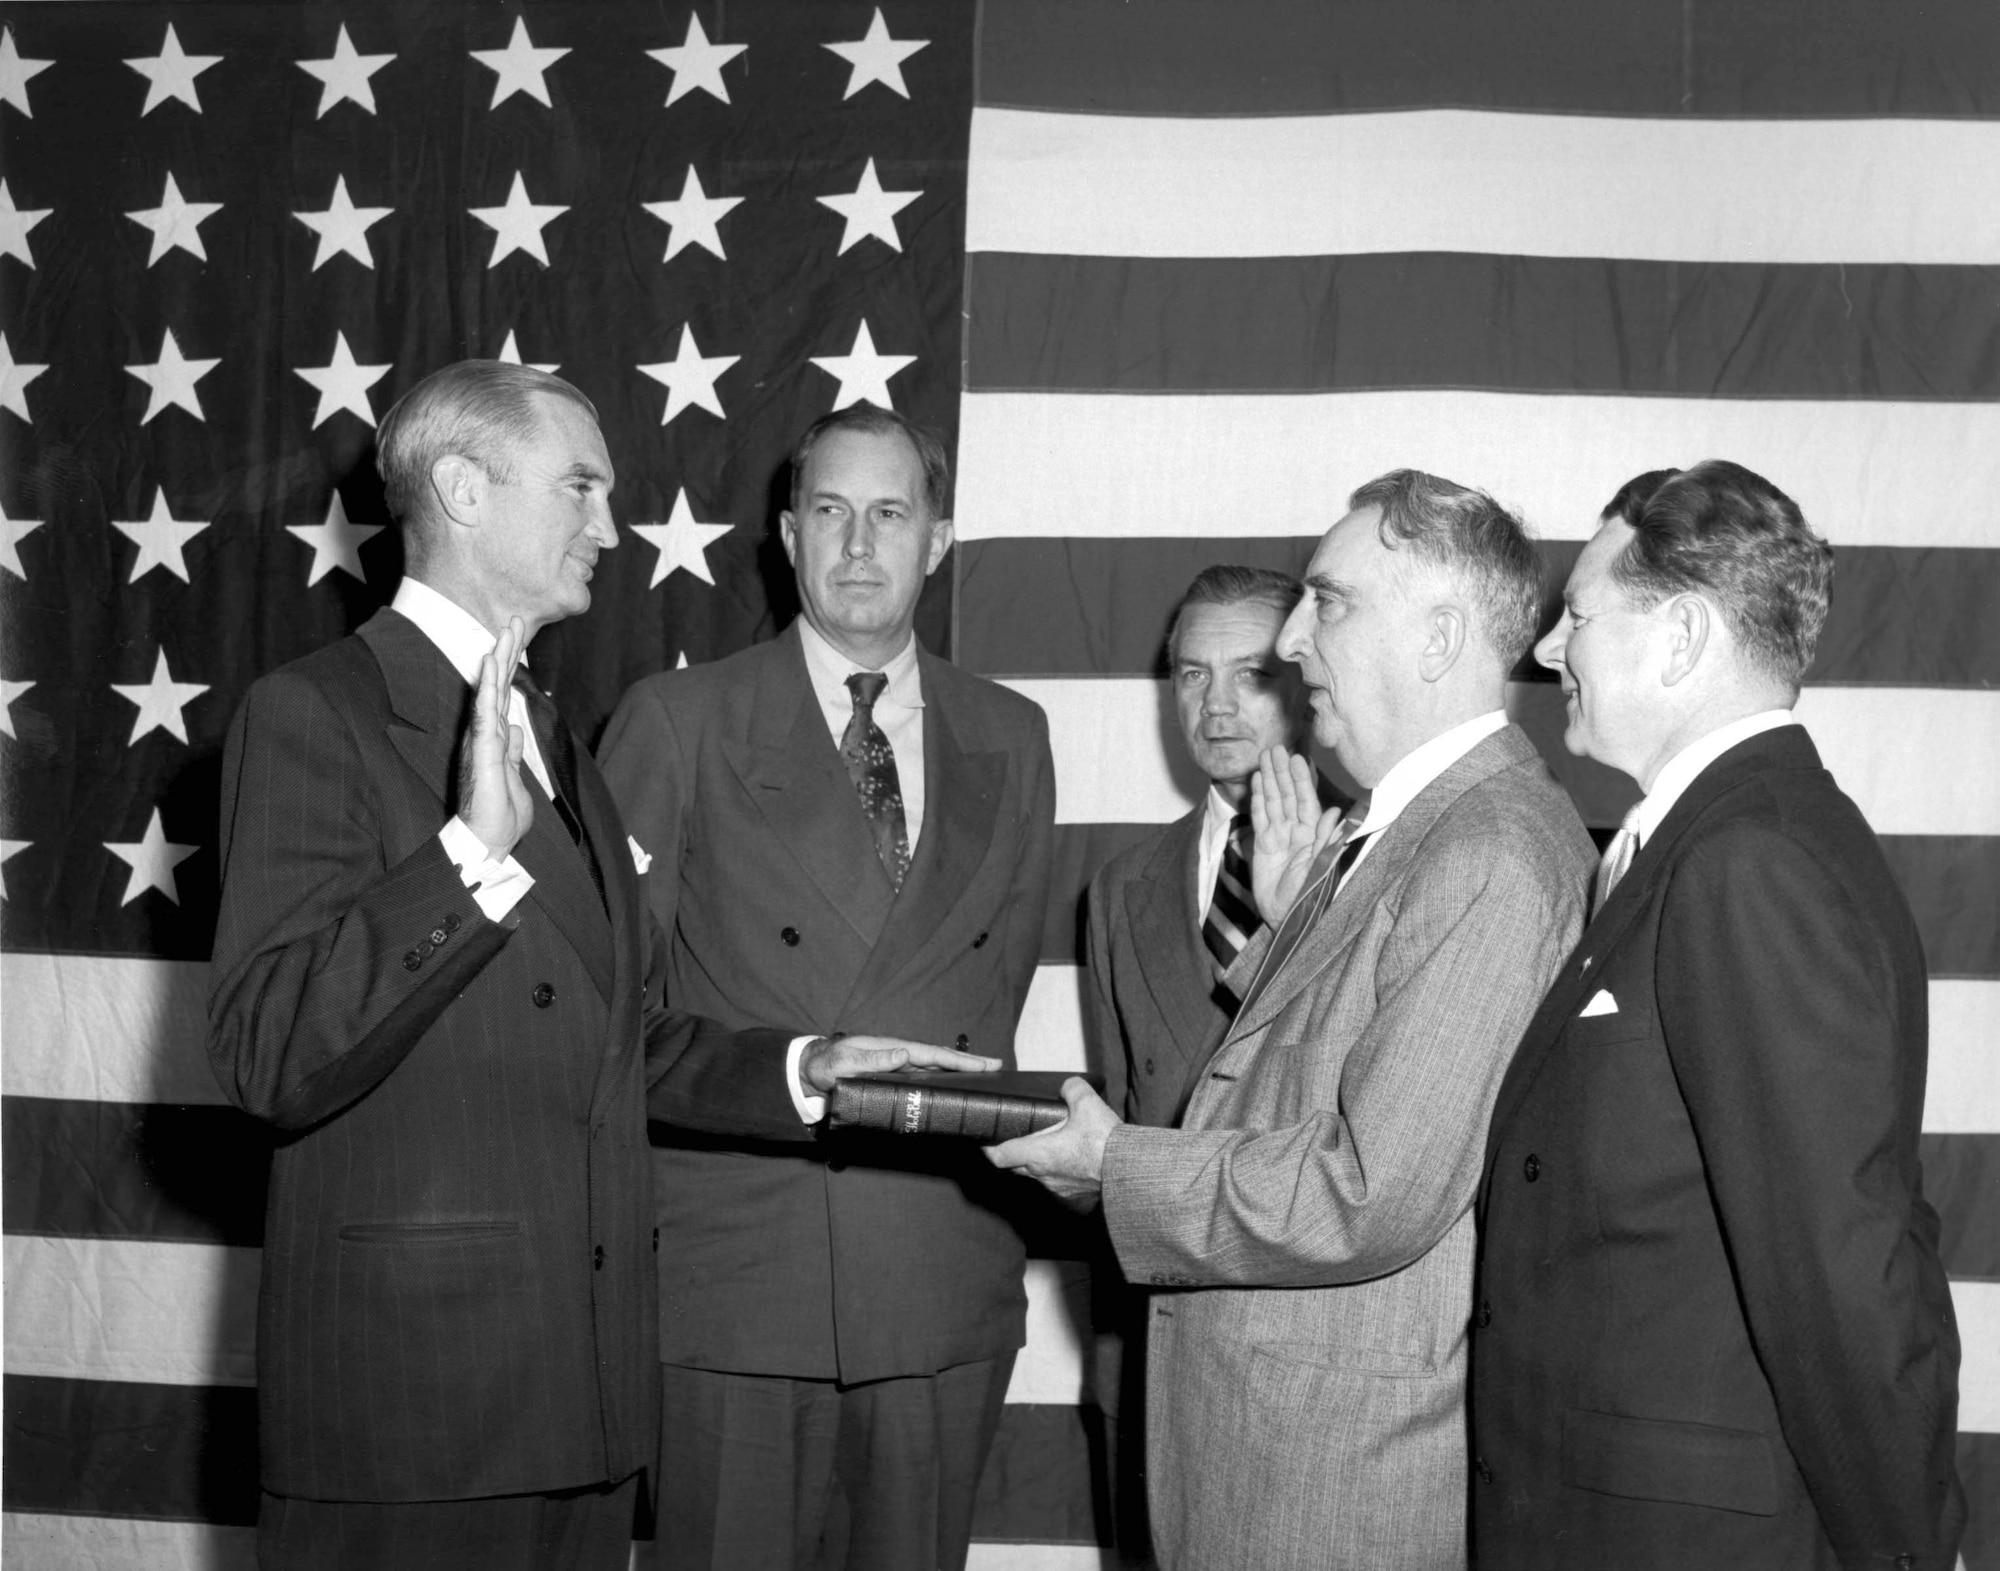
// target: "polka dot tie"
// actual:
[[871, 765]]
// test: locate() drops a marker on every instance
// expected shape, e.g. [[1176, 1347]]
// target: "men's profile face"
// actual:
[[1355, 637], [862, 540], [1607, 652], [1234, 696], [544, 528]]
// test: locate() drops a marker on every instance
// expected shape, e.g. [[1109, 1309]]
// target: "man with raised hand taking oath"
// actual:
[[430, 975], [1713, 1329], [849, 833], [1309, 1225]]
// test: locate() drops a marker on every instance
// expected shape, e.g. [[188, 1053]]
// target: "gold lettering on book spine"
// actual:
[[913, 1112]]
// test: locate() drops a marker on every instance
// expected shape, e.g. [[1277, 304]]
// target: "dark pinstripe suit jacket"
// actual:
[[457, 1294]]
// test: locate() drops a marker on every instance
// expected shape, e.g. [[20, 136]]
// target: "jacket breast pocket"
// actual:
[[1668, 1459], [1605, 1030]]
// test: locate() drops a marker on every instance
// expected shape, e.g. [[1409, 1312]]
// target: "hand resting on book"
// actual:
[[837, 1058], [1068, 1159]]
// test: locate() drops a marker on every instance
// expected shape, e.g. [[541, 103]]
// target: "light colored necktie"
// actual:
[[1617, 858], [1322, 882]]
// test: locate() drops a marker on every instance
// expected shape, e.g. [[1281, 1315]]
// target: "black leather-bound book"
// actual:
[[987, 1108]]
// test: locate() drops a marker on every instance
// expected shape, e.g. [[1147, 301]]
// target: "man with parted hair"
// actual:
[[1712, 1326], [844, 833], [432, 975], [1168, 915], [1308, 1227]]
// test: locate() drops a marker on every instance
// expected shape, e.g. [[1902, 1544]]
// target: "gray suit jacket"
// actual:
[[1150, 1003], [1306, 1395]]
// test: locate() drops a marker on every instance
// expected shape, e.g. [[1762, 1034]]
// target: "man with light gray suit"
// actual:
[[1309, 1225]]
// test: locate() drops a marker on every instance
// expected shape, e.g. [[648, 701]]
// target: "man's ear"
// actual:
[[788, 532], [1690, 624], [941, 538], [459, 485], [1446, 631]]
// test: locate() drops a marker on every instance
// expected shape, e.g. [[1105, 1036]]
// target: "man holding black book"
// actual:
[[843, 834], [1309, 1226]]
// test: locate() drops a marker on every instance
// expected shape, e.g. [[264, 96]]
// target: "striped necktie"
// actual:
[[1617, 858], [1232, 913]]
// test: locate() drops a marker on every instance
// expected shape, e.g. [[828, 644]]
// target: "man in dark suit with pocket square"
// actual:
[[431, 974], [1711, 1325]]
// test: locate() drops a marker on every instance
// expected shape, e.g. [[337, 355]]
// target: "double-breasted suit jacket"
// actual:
[[852, 1258], [1305, 1392], [1713, 1329], [1151, 1004], [458, 1251]]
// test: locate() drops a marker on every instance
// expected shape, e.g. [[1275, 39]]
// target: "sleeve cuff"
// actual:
[[496, 885], [811, 1109]]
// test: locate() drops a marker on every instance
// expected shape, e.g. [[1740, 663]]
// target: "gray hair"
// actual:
[[1471, 538], [1719, 530], [478, 409]]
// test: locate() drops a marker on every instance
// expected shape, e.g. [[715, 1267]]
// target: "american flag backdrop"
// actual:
[[1172, 276]]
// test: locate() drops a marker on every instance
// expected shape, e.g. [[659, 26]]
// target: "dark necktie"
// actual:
[[871, 765], [1324, 877], [558, 748], [1232, 913]]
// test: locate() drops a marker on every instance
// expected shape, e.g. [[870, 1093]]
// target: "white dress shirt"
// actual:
[[1214, 836], [496, 885], [1680, 771], [899, 712], [1414, 771]]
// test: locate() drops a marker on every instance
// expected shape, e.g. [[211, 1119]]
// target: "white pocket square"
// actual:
[[1602, 1004], [640, 859]]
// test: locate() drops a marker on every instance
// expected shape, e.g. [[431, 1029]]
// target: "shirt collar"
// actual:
[[828, 670], [460, 635], [1405, 782], [1678, 773], [1221, 812]]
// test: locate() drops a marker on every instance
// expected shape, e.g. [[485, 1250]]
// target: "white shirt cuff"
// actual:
[[811, 1109], [496, 885]]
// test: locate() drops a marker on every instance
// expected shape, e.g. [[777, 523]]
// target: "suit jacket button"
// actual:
[[1149, 1066], [1532, 1167], [962, 1042], [1485, 1473], [791, 936], [439, 935], [1906, 1563], [597, 1258], [656, 1240], [543, 995], [1485, 1315], [451, 921], [412, 960], [979, 940]]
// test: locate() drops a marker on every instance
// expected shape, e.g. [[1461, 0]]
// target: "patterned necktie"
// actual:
[[1617, 858], [1322, 880], [558, 747], [871, 765], [1232, 914]]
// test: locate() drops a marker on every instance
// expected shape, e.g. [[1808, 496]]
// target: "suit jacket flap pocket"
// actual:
[[1665, 1459]]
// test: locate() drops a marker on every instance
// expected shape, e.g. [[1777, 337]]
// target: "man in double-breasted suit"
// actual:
[[1168, 915], [845, 834], [1713, 1329], [431, 975], [1309, 1225]]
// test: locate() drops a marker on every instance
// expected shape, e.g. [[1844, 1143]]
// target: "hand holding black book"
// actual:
[[988, 1108]]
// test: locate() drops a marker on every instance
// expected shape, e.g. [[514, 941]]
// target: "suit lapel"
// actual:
[[431, 703], [961, 804], [1787, 747], [791, 771], [1161, 909]]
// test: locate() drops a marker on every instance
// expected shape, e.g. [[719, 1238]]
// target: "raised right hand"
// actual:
[[493, 799], [1285, 812]]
